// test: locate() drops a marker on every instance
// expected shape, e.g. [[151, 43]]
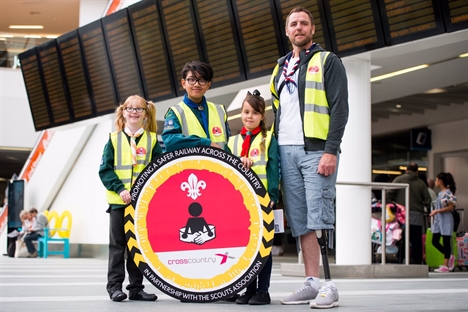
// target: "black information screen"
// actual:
[[315, 7], [182, 37], [122, 55], [151, 51], [53, 79], [219, 40], [355, 26], [98, 69], [75, 76], [455, 14], [406, 20], [261, 44], [35, 89]]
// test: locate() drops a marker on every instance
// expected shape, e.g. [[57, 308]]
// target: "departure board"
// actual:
[[35, 90], [354, 27], [259, 35], [219, 40], [151, 51], [122, 55], [321, 35], [407, 20], [53, 80], [182, 37], [455, 14], [98, 69], [75, 76]]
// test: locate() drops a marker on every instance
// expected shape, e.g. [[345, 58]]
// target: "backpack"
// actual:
[[456, 220]]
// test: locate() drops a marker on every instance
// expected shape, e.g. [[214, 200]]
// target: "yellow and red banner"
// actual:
[[199, 227]]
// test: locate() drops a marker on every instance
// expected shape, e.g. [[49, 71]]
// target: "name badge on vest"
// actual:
[[141, 151]]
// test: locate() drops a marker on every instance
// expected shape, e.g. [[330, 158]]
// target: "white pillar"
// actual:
[[353, 203]]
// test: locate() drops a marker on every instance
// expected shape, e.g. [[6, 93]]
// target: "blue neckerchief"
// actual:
[[203, 114]]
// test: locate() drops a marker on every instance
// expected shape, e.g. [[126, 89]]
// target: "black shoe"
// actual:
[[244, 298], [118, 296], [142, 295], [261, 297], [233, 298]]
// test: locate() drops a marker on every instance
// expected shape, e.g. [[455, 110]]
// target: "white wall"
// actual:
[[449, 150], [83, 193], [16, 124]]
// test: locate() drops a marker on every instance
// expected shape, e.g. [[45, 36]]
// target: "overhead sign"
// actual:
[[199, 227]]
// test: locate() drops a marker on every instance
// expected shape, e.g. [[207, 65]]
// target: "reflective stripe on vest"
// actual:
[[316, 109], [260, 161], [123, 160], [191, 126]]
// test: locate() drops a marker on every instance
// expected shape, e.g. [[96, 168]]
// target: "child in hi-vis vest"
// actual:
[[258, 151], [126, 154]]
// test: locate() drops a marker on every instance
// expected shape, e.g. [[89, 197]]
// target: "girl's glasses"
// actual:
[[134, 109]]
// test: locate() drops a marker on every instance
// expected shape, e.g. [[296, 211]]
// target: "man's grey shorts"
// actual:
[[308, 196]]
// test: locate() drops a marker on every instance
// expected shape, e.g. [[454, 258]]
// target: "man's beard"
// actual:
[[301, 43]]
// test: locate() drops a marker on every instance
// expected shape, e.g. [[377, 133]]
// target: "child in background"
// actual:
[[125, 155], [443, 219], [258, 150]]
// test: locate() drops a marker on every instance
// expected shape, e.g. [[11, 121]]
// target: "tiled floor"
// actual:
[[57, 284]]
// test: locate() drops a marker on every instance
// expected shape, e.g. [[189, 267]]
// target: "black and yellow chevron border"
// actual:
[[179, 286], [132, 244]]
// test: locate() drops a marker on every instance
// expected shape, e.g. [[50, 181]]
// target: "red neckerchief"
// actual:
[[246, 143]]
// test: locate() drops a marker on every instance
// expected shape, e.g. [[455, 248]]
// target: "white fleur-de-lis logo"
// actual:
[[193, 186]]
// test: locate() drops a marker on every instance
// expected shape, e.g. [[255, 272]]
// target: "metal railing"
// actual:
[[384, 187]]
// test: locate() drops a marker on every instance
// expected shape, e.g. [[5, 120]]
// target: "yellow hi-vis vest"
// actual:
[[316, 109], [259, 159], [191, 126], [123, 160]]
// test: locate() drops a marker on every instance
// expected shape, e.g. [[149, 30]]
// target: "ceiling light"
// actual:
[[26, 27], [435, 91], [51, 37], [419, 169], [386, 172], [32, 36], [399, 72], [2, 39], [6, 36], [463, 55], [398, 106]]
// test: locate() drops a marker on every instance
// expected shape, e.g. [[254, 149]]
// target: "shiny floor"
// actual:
[[78, 284]]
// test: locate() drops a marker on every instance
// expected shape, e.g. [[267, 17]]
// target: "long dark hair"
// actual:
[[447, 180]]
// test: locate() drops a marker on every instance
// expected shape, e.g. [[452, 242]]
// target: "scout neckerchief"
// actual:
[[288, 78], [133, 142], [246, 144]]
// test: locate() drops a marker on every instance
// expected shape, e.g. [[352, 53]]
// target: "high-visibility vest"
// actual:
[[123, 166], [191, 126], [259, 159], [316, 118]]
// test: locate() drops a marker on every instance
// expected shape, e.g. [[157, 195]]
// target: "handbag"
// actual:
[[21, 250]]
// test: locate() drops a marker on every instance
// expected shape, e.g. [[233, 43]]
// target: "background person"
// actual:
[[125, 155], [310, 102], [418, 201], [443, 219]]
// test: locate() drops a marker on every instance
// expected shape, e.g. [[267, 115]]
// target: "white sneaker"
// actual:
[[303, 295], [326, 298]]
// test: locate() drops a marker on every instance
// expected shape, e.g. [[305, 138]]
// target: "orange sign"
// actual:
[[36, 155]]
